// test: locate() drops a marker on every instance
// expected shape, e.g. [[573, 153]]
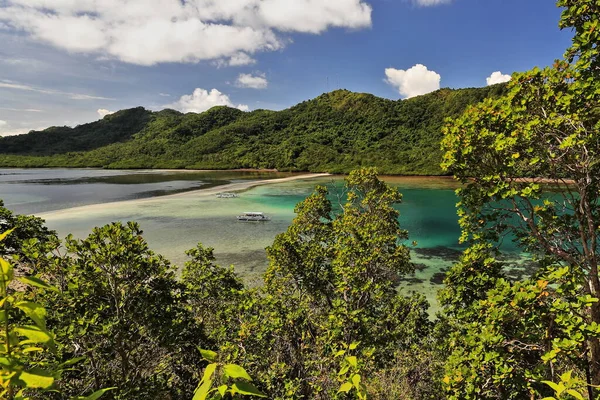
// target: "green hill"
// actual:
[[336, 132]]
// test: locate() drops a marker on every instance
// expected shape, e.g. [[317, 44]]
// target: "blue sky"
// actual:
[[66, 62]]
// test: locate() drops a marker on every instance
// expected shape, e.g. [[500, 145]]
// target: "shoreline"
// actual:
[[229, 187]]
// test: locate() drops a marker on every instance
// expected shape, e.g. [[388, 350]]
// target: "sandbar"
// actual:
[[230, 187]]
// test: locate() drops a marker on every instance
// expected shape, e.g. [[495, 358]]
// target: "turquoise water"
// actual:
[[174, 224]]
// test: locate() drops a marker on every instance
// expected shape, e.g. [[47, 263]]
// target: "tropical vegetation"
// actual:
[[336, 132], [106, 316]]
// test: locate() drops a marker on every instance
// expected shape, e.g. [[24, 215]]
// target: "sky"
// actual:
[[68, 62]]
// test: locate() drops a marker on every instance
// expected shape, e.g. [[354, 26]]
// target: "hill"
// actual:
[[335, 132]]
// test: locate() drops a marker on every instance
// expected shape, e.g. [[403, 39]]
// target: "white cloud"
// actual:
[[6, 130], [202, 100], [103, 112], [497, 77], [240, 59], [258, 81], [427, 3], [137, 32], [74, 96], [164, 94], [12, 132], [414, 81]]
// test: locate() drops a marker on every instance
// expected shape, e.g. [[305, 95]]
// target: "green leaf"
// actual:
[[202, 390], [6, 269], [566, 377], [222, 389], [37, 282], [344, 369], [70, 362], [208, 372], [208, 355], [5, 234], [345, 388], [575, 394], [354, 345], [340, 353], [247, 388], [352, 361], [236, 372], [557, 387], [34, 333], [96, 395], [37, 378], [35, 311]]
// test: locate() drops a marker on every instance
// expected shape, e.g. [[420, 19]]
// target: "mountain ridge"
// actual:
[[334, 132]]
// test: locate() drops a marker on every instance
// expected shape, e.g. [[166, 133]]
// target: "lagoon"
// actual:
[[177, 209]]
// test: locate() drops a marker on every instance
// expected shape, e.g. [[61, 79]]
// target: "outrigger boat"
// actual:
[[227, 195], [253, 216]]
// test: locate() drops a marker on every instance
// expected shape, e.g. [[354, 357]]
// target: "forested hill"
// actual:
[[336, 132]]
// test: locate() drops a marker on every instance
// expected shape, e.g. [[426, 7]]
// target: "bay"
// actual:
[[178, 209]]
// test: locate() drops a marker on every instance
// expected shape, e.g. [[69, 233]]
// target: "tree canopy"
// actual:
[[336, 132]]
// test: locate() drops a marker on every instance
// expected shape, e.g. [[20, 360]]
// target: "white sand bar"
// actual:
[[119, 205]]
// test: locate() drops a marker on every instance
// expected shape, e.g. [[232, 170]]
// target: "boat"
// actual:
[[253, 216], [227, 195]]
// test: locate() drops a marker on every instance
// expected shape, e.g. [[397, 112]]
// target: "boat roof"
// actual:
[[252, 212]]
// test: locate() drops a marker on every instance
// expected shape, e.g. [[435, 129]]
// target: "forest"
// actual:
[[336, 132], [105, 317]]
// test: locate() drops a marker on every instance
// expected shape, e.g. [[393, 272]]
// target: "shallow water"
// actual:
[[175, 224], [30, 191]]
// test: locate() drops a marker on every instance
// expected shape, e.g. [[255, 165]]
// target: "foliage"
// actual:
[[349, 374], [336, 132], [545, 128], [331, 280], [27, 231], [213, 293], [569, 387], [241, 381], [521, 334], [582, 17], [21, 371], [116, 298], [113, 128]]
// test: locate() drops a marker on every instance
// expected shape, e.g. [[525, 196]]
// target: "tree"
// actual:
[[122, 309], [26, 369], [331, 282], [26, 231], [582, 17], [214, 294], [530, 165]]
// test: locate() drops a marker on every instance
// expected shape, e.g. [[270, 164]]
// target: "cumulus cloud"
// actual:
[[497, 77], [258, 81], [28, 88], [428, 3], [240, 59], [413, 81], [148, 32], [202, 100], [103, 112], [7, 130]]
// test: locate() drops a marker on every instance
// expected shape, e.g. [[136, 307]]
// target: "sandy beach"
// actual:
[[231, 187]]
